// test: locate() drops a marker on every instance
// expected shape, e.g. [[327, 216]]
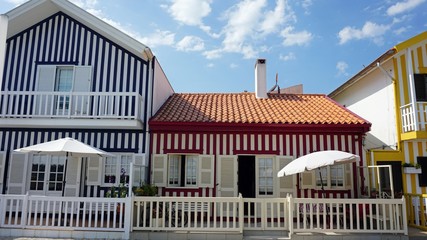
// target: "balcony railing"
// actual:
[[81, 105], [414, 119]]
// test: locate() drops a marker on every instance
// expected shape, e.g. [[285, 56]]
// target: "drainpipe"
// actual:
[[3, 37], [410, 72]]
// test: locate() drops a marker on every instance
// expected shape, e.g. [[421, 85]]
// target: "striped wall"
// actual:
[[60, 39], [279, 144], [412, 150], [129, 141]]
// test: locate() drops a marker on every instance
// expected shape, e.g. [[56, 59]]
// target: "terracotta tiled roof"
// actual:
[[245, 108]]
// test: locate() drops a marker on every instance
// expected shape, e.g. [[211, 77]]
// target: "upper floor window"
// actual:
[[420, 81]]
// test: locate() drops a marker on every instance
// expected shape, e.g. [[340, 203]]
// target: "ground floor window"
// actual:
[[47, 173], [182, 170], [265, 176], [117, 169], [331, 176]]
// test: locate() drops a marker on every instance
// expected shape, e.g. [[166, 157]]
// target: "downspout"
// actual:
[[149, 108], [3, 37], [410, 73]]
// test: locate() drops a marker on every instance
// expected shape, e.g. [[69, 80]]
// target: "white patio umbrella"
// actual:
[[64, 146], [317, 160]]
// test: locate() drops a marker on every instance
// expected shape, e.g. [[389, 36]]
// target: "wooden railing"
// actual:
[[416, 205], [414, 119], [99, 105]]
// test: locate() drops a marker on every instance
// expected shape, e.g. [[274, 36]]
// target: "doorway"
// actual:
[[246, 176], [396, 168]]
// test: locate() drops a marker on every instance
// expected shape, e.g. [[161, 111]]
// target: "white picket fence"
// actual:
[[203, 214]]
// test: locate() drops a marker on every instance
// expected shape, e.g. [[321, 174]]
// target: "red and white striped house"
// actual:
[[223, 144]]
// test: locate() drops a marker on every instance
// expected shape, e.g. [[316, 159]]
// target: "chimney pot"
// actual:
[[260, 79]]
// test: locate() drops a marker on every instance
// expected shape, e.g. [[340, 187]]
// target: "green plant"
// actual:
[[417, 165], [120, 191], [145, 190]]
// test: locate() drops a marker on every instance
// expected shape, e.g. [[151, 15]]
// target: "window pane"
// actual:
[[174, 170], [125, 168], [191, 171], [110, 167], [324, 178], [265, 172], [337, 175]]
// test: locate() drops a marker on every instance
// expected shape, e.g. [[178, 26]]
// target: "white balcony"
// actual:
[[71, 109], [414, 117]]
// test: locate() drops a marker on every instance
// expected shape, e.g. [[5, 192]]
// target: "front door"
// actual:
[[246, 177], [47, 175]]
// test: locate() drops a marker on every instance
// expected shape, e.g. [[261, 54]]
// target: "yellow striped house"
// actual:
[[391, 93]]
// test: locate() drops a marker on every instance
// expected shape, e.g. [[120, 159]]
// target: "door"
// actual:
[[227, 176], [246, 176], [396, 168], [47, 175]]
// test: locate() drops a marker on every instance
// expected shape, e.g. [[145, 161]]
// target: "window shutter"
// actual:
[[139, 169], [82, 82], [17, 179], [285, 184], [227, 177], [94, 166], [348, 180], [2, 161], [308, 179], [206, 170], [72, 182], [46, 78], [160, 169]]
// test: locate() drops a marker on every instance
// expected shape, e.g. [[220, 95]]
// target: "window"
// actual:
[[331, 176], [47, 169], [420, 81], [422, 178], [183, 170], [117, 169], [265, 179], [63, 83]]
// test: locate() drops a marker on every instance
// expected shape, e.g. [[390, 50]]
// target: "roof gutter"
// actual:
[[371, 67]]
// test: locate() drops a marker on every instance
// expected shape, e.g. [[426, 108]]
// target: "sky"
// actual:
[[212, 45]]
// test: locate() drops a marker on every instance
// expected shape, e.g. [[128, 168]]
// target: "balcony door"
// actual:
[[56, 85]]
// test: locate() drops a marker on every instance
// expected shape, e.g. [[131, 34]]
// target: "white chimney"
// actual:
[[260, 78]]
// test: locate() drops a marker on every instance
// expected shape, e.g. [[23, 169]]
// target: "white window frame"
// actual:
[[174, 168], [119, 157], [258, 176], [326, 176]]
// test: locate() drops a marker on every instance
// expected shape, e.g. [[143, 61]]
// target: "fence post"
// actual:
[[24, 213], [241, 211], [290, 202], [405, 220], [128, 216]]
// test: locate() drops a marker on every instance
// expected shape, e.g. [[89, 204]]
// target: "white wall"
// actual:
[[372, 97], [162, 88], [3, 37]]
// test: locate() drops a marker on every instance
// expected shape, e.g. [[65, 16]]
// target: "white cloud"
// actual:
[[403, 6], [233, 65], [159, 38], [400, 30], [190, 12], [210, 65], [306, 4], [273, 19], [295, 38], [370, 30], [287, 57], [190, 43], [213, 54], [342, 68]]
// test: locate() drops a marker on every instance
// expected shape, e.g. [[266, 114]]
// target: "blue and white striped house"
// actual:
[[66, 73]]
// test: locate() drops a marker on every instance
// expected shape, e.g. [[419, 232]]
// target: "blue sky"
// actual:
[[212, 45]]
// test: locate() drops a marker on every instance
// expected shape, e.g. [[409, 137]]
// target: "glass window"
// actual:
[[332, 176], [117, 169], [420, 81], [337, 176], [322, 176], [183, 170], [265, 180], [63, 83]]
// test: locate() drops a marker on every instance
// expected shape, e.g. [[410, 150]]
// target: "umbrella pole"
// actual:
[[321, 184], [65, 174]]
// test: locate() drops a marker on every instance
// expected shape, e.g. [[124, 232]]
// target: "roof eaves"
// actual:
[[384, 57]]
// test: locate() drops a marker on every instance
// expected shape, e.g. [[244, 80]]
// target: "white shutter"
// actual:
[[17, 173], [286, 184], [72, 181], [227, 176], [139, 166], [45, 83], [308, 179], [94, 171], [206, 170], [348, 179], [159, 170], [2, 162], [82, 82]]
